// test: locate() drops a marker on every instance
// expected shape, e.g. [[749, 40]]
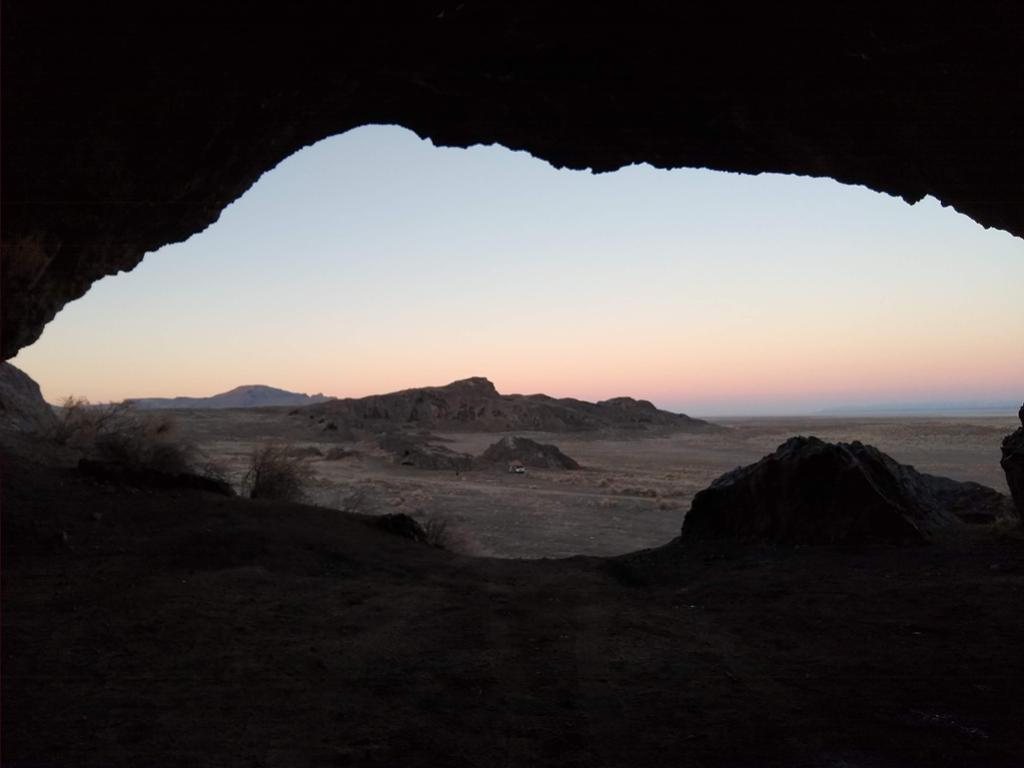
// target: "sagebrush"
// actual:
[[117, 432], [275, 472], [441, 532], [436, 530], [79, 422]]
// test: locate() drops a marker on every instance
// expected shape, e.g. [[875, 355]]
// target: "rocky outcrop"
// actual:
[[413, 451], [529, 453], [474, 405], [1012, 463], [812, 492], [22, 408], [114, 145]]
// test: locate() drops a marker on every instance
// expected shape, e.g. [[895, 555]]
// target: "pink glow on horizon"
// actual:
[[375, 262]]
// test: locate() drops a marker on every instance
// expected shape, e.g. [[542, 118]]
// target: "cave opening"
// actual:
[[826, 605], [374, 262]]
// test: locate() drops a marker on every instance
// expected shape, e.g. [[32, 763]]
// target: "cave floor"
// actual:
[[179, 628]]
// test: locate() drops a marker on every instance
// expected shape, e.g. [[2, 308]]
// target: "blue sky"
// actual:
[[375, 261]]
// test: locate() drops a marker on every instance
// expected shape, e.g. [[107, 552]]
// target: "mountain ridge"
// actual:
[[244, 396], [474, 404]]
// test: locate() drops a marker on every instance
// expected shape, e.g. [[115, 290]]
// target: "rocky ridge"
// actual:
[[475, 405]]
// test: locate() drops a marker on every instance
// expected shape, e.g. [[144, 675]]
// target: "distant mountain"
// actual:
[[247, 396], [475, 405]]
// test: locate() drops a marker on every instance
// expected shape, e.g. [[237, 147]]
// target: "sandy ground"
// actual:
[[632, 492]]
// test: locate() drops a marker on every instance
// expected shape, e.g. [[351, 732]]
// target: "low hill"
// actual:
[[475, 405], [529, 453], [246, 396]]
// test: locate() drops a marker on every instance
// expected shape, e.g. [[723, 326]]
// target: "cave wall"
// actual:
[[127, 127]]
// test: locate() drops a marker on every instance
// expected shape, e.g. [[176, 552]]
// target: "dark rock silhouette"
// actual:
[[22, 408], [812, 492], [529, 452], [474, 404], [1012, 463]]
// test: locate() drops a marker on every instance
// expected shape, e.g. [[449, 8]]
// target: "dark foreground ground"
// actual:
[[155, 628]]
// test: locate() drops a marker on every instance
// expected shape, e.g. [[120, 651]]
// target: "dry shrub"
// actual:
[[146, 442], [214, 470], [80, 423], [355, 499], [443, 533], [276, 473], [437, 532], [358, 502], [118, 433]]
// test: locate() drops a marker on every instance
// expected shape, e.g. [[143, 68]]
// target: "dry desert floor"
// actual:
[[632, 492]]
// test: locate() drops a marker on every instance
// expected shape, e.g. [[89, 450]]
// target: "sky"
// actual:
[[374, 261]]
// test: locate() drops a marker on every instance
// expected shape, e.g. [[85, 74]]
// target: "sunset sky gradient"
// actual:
[[374, 261]]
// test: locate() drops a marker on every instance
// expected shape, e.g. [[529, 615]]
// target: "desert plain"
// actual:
[[632, 491]]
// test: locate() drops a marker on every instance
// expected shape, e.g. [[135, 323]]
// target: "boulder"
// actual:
[[1012, 463], [529, 453], [812, 492], [413, 451], [22, 408]]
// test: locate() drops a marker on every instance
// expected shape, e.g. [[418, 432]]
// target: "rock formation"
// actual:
[[414, 451], [475, 405], [124, 131], [22, 408], [529, 453], [812, 492], [1012, 463]]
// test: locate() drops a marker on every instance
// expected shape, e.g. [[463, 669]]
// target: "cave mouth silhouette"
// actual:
[[124, 131], [374, 261], [132, 149]]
